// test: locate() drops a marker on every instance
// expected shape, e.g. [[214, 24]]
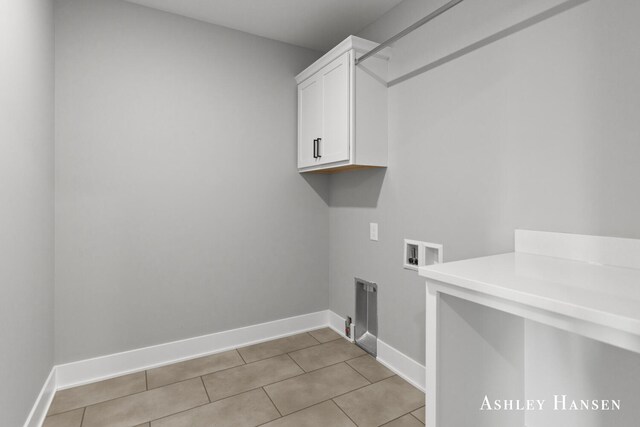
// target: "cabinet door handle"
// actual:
[[315, 149], [319, 141]]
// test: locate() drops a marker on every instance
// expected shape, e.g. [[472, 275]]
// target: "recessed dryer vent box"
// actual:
[[418, 254], [366, 332]]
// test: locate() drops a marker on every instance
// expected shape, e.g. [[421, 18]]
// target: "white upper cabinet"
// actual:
[[342, 110], [309, 107]]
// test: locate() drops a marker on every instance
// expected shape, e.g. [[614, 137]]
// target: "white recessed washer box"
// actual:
[[418, 254]]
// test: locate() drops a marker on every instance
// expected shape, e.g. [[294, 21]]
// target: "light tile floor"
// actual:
[[305, 380]]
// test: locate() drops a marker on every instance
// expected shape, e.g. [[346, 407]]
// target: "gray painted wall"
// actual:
[[26, 204], [179, 210], [538, 130]]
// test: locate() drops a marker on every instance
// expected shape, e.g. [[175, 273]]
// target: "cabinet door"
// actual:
[[334, 146], [309, 119]]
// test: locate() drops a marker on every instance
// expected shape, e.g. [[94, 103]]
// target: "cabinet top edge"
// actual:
[[357, 44]]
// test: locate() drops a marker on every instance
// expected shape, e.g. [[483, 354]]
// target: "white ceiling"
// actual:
[[314, 24]]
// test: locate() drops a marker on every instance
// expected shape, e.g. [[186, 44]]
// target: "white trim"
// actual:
[[41, 406], [439, 251], [100, 368], [401, 364], [90, 370], [358, 44], [407, 368], [613, 251]]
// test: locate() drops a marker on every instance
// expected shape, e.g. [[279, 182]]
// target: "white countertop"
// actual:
[[600, 294]]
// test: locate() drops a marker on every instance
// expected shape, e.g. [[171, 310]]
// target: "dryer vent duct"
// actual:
[[366, 328]]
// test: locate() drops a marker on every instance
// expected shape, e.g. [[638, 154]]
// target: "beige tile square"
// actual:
[[405, 421], [276, 347], [325, 334], [66, 419], [322, 415], [419, 414], [306, 390], [181, 371], [150, 405], [246, 377], [78, 397], [326, 354], [381, 402], [247, 409], [370, 368]]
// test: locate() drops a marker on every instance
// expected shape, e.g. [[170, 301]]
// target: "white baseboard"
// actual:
[[398, 362], [41, 406], [113, 365], [401, 364], [337, 324]]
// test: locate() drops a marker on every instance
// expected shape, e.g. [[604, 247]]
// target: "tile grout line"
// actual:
[[113, 398], [227, 397], [334, 397], [206, 355], [84, 411], [343, 411], [332, 340], [201, 376], [322, 401], [294, 361], [342, 361], [218, 400], [192, 378], [331, 398], [316, 339], [288, 354], [350, 391], [187, 379], [240, 354], [126, 395], [411, 413], [286, 379], [176, 413], [398, 417], [285, 352], [242, 392], [205, 389], [360, 388], [315, 370], [64, 412], [246, 391], [272, 402]]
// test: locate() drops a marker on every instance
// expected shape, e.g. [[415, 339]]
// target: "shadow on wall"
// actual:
[[319, 183], [523, 25], [356, 189]]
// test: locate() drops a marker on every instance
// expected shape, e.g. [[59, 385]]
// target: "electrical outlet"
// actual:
[[373, 231]]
